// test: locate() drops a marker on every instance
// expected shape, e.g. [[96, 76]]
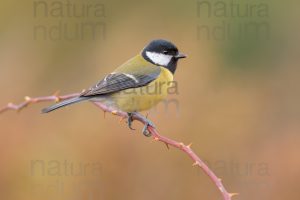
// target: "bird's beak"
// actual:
[[180, 55]]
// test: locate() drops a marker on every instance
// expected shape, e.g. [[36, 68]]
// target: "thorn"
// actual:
[[56, 96], [167, 145], [181, 145], [196, 163], [57, 99], [114, 112], [27, 98], [222, 189], [233, 194], [189, 146], [220, 179], [156, 139]]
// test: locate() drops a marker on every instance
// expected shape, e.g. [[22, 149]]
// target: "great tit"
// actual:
[[138, 84]]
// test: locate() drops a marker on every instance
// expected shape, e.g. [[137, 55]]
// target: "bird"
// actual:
[[137, 85]]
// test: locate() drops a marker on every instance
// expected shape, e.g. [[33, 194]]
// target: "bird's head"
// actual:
[[163, 53]]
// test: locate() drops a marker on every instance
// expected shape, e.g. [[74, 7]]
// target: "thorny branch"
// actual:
[[138, 117]]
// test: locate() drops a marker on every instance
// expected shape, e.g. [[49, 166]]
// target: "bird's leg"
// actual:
[[145, 129], [130, 120], [147, 123]]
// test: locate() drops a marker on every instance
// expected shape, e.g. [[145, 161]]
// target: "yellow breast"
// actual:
[[144, 98]]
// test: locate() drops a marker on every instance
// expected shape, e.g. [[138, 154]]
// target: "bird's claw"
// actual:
[[129, 121], [145, 129]]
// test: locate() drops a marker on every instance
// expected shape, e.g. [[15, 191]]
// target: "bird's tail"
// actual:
[[64, 103]]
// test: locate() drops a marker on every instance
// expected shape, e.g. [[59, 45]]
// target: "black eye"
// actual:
[[165, 52]]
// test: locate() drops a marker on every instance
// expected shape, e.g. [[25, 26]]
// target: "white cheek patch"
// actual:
[[159, 58]]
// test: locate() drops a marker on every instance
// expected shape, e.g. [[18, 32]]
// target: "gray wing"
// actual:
[[118, 81]]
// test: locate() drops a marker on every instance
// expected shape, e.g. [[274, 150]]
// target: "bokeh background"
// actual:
[[238, 102]]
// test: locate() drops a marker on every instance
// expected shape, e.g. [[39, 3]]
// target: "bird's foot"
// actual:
[[145, 129], [147, 124], [130, 120]]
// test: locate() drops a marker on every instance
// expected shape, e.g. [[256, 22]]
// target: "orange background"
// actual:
[[238, 105]]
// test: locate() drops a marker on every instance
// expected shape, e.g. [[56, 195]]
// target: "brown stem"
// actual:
[[156, 136]]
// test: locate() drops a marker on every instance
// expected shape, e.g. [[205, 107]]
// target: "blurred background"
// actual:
[[237, 102]]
